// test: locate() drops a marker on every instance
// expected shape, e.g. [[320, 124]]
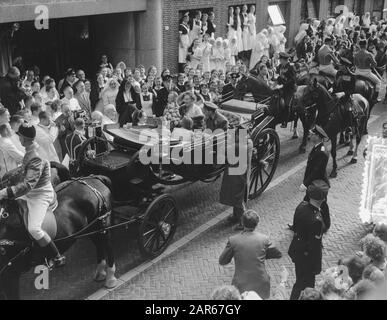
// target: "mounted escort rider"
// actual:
[[287, 77], [327, 59], [364, 62], [35, 187]]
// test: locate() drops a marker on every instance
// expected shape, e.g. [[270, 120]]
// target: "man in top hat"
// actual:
[[364, 62], [288, 79], [213, 119], [316, 166], [305, 249], [326, 58], [35, 187], [230, 88]]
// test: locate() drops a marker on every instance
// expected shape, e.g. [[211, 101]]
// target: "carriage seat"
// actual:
[[49, 224]]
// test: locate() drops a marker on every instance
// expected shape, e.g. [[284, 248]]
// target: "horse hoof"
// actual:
[[333, 175], [353, 160], [350, 153], [111, 283], [99, 277]]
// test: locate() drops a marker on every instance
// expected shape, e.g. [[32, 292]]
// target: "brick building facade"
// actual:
[[140, 31]]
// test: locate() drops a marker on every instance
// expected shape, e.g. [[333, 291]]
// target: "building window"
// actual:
[[358, 7], [378, 9], [309, 9]]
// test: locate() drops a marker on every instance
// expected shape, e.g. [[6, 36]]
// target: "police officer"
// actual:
[[288, 79], [325, 58], [36, 189], [364, 61], [305, 249], [316, 167]]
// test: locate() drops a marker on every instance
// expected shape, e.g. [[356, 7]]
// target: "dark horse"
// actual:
[[261, 91], [336, 115], [80, 204]]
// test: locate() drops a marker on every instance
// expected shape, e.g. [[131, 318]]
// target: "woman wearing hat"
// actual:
[[35, 187], [184, 41]]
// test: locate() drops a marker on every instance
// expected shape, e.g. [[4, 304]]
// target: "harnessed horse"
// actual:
[[336, 115], [82, 209], [260, 90]]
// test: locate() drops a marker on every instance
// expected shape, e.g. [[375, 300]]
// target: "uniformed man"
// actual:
[[316, 167], [364, 62], [326, 58], [288, 79], [35, 187], [213, 119], [305, 249]]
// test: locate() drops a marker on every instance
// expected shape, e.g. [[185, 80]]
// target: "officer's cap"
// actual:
[[210, 105], [284, 55], [27, 131], [318, 190], [320, 132]]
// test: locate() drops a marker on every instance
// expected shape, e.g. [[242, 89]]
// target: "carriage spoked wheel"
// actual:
[[158, 226], [264, 161]]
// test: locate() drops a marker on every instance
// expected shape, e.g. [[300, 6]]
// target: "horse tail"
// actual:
[[63, 172]]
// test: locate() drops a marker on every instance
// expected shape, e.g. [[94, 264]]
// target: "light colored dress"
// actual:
[[183, 50], [245, 33], [252, 30], [196, 57], [231, 33], [147, 104], [206, 50], [218, 58], [234, 53], [195, 31], [239, 34]]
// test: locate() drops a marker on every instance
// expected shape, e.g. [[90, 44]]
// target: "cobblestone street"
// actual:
[[192, 272]]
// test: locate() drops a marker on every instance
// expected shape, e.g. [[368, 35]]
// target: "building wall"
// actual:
[[24, 10], [171, 17]]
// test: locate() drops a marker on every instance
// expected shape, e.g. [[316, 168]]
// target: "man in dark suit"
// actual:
[[213, 119], [288, 79], [65, 123], [74, 142], [250, 249], [11, 96], [309, 226], [162, 97]]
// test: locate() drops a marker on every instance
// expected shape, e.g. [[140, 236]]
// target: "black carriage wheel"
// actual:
[[158, 226], [264, 161]]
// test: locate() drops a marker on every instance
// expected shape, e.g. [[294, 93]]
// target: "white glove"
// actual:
[[303, 188], [3, 194]]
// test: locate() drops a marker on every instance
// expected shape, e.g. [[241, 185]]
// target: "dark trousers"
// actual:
[[304, 279]]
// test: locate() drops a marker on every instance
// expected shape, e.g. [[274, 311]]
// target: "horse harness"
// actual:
[[104, 213]]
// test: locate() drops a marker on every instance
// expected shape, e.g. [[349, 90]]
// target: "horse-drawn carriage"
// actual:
[[138, 186]]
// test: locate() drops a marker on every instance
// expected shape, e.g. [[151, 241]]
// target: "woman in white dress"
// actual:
[[230, 24], [204, 23], [196, 27], [184, 42], [196, 55], [226, 54], [206, 50], [212, 61], [233, 50], [238, 23], [218, 54], [252, 26], [245, 29], [146, 99]]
